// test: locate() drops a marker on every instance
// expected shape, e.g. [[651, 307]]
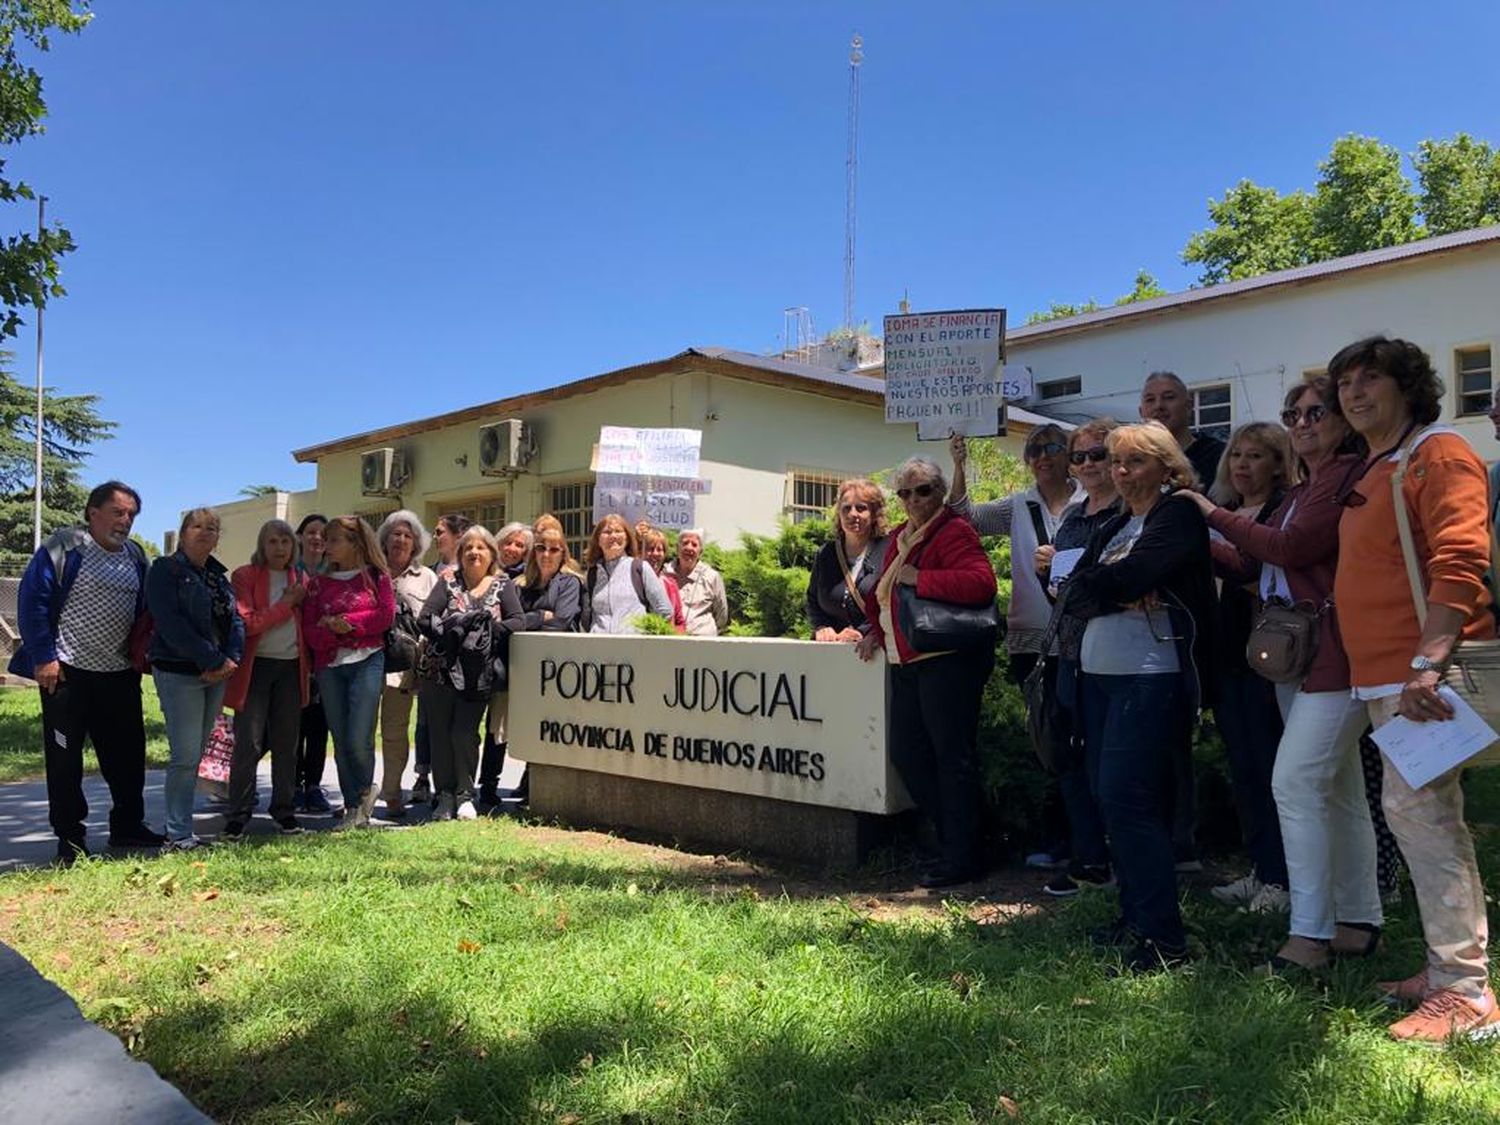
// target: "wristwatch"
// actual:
[[1423, 664]]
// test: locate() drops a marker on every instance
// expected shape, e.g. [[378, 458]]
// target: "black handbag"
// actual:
[[1047, 724], [400, 645], [933, 626]]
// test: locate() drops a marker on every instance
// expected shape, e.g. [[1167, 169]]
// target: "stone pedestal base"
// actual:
[[811, 834]]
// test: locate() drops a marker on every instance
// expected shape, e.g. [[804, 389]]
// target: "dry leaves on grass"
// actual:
[[467, 946], [1007, 1105], [206, 896]]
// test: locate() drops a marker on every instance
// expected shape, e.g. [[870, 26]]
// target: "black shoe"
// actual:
[[234, 829], [488, 795], [1148, 956], [945, 874], [421, 790], [289, 826], [137, 836], [1092, 875], [70, 852], [1117, 933], [1061, 886]]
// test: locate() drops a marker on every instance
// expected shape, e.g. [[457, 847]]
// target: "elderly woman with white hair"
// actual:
[[933, 724], [270, 687], [404, 541], [514, 541]]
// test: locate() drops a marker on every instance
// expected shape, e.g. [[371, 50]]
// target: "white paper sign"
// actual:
[[1063, 564], [639, 498], [943, 370], [788, 720], [648, 452], [1423, 751]]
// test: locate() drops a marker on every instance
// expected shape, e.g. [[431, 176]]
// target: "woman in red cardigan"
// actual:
[[933, 727], [269, 689]]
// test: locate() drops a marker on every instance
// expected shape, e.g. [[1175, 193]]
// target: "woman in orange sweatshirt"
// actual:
[[1390, 394]]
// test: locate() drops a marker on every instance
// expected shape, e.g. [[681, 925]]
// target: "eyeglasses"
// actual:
[[1312, 415], [1044, 449], [1079, 456], [922, 490]]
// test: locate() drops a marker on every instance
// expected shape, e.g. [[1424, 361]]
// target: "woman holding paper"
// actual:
[[1399, 648], [1088, 457], [1317, 782]]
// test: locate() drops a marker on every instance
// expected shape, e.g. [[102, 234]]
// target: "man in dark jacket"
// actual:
[[1165, 399], [80, 599]]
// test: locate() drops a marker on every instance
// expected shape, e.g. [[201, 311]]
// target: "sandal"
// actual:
[[1301, 955], [1367, 944]]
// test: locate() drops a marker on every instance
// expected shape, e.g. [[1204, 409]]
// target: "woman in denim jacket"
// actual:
[[198, 642]]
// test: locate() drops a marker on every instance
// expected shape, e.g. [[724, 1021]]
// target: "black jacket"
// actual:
[[1171, 560], [563, 595], [829, 603]]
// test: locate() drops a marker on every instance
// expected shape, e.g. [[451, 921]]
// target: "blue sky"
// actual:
[[302, 220]]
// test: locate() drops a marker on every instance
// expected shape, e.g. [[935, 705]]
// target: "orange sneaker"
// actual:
[[1446, 1014], [1406, 993]]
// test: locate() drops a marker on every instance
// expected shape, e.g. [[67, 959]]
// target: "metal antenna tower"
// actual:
[[797, 331], [851, 176]]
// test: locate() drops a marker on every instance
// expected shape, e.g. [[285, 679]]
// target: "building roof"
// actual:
[[1480, 237], [867, 390]]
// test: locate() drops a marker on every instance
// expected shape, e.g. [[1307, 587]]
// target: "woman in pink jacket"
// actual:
[[344, 618], [269, 689]]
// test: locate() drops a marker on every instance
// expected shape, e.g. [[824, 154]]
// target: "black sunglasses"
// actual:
[[922, 490], [1313, 415], [1044, 449], [1079, 456]]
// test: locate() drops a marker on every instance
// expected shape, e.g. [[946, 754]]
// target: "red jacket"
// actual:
[[252, 596], [951, 565], [367, 602]]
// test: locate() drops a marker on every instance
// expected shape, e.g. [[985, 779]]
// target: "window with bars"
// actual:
[[489, 513], [1476, 384], [573, 505], [811, 493], [1213, 411]]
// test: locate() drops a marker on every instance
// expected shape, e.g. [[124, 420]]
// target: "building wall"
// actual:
[[240, 522], [752, 435], [1263, 343]]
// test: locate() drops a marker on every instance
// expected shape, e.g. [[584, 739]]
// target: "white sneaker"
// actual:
[[1239, 892], [1270, 899], [442, 808], [466, 811]]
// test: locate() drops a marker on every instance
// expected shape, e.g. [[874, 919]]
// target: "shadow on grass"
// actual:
[[21, 735]]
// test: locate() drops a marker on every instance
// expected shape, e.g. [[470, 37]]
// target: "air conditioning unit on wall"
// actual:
[[382, 472], [506, 448]]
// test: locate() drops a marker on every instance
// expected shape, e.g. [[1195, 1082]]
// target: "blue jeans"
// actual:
[[1076, 780], [1135, 726], [189, 705], [351, 699]]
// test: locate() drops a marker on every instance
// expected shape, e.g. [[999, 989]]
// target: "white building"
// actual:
[[1238, 346]]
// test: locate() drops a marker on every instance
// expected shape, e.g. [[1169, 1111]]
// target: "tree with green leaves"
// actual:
[[71, 424], [255, 491], [1363, 200], [1460, 183], [1256, 230]]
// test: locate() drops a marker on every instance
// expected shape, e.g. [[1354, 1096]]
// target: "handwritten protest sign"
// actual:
[[943, 370], [648, 474], [648, 452]]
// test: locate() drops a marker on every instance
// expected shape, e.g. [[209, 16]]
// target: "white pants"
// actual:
[[1325, 821]]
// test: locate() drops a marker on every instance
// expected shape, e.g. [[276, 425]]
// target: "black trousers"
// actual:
[[269, 720], [105, 709], [933, 743], [312, 746]]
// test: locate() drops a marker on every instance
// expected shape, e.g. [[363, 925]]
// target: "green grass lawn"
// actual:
[[494, 971], [21, 734]]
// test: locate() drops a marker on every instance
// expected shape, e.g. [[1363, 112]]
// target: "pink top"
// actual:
[[367, 602]]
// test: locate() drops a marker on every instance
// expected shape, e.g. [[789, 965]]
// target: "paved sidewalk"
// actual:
[[56, 1068], [26, 839]]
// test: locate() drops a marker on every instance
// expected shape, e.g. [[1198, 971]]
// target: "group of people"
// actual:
[[332, 628], [1141, 557]]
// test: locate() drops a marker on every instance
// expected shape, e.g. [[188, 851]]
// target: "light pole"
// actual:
[[36, 512]]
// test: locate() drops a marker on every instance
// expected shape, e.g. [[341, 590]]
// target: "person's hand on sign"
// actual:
[[867, 647], [825, 633], [849, 635], [957, 448]]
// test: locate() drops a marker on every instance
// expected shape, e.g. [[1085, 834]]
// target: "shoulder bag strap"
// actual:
[[1042, 539], [1403, 528], [838, 549]]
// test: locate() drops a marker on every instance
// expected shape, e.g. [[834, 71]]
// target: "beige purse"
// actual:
[[1474, 672]]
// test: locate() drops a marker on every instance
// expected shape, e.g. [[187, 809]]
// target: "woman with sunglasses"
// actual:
[[933, 711], [1088, 458], [1145, 588], [1328, 839], [1030, 519], [1399, 651]]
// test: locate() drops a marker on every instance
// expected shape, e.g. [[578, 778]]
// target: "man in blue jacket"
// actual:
[[82, 594]]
